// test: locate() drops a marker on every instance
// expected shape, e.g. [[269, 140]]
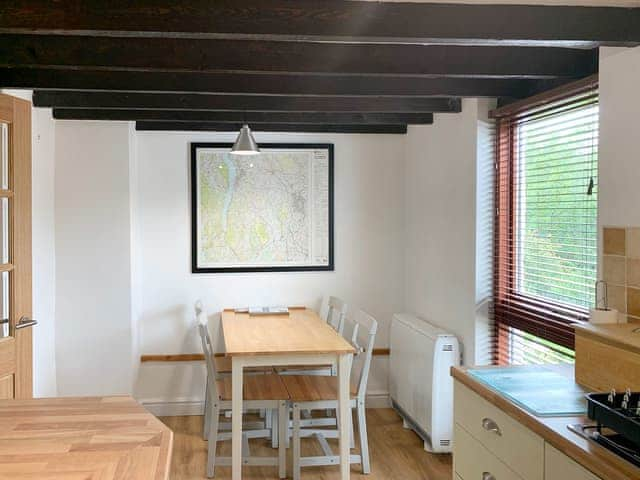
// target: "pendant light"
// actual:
[[245, 143]]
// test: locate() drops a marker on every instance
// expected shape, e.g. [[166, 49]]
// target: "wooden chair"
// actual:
[[336, 314], [319, 393], [260, 392]]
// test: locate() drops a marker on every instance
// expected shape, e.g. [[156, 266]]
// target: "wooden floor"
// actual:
[[396, 453]]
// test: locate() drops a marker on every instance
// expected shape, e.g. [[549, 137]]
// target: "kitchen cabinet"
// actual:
[[490, 445]]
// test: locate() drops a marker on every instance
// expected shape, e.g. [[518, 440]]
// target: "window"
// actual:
[[546, 229]]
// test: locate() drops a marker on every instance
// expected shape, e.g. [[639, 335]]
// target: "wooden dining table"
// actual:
[[300, 337]]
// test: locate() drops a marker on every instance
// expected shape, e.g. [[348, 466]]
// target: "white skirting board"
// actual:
[[183, 407]]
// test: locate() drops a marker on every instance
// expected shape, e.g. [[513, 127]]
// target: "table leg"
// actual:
[[344, 411], [236, 418]]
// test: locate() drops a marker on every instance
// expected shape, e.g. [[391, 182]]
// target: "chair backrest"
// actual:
[[361, 333], [199, 307], [207, 348], [336, 314]]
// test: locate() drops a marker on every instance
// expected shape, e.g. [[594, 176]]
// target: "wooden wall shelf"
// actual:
[[199, 357]]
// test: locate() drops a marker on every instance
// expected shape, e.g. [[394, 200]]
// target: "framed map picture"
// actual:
[[271, 212]]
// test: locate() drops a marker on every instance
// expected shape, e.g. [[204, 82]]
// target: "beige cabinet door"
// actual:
[[16, 378], [557, 466]]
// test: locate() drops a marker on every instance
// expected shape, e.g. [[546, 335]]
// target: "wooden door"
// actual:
[[16, 351]]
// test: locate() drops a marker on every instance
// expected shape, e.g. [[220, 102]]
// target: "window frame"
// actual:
[[545, 318]]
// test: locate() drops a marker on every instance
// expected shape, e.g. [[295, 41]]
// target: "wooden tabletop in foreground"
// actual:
[[82, 439], [300, 332]]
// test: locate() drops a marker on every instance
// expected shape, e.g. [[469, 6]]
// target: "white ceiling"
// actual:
[[594, 3]]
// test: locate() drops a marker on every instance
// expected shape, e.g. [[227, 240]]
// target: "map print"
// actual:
[[262, 211]]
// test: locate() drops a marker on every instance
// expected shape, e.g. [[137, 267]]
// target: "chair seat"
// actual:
[[307, 388], [223, 365], [255, 387]]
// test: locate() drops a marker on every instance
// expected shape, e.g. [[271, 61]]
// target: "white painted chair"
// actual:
[[319, 393], [223, 364], [223, 368], [260, 392], [336, 314]]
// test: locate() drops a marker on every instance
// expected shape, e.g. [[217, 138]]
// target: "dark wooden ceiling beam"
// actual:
[[254, 103], [268, 83], [329, 20], [269, 127], [161, 54], [318, 118]]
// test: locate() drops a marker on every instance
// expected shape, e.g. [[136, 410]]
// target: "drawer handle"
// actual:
[[491, 426], [487, 476]]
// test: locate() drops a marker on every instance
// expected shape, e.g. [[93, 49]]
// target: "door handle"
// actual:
[[26, 322], [487, 476], [491, 426]]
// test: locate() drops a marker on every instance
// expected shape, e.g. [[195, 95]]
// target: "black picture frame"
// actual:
[[263, 146]]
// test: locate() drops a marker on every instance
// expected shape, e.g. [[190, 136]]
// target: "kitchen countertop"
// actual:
[[621, 335], [553, 430], [72, 438]]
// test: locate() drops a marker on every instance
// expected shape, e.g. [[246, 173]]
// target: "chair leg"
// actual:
[[352, 437], [268, 418], [282, 426], [364, 439], [213, 440], [207, 417], [296, 441], [351, 444], [275, 414]]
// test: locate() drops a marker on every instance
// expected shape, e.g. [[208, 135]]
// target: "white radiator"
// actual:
[[420, 383]]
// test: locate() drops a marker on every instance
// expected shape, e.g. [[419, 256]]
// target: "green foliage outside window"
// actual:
[[558, 209]]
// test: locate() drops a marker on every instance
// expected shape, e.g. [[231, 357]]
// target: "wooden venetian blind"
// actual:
[[546, 223]]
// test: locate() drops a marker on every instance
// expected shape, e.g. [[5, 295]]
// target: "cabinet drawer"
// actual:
[[510, 441], [472, 461], [557, 466]]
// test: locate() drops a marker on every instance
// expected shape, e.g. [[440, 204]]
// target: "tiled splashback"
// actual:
[[621, 269]]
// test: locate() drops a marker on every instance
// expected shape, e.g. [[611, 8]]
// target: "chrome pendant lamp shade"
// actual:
[[245, 143]]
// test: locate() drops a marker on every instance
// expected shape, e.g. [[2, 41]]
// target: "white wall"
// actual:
[[440, 216], [484, 232], [368, 243], [93, 267], [44, 259], [111, 254], [134, 250], [619, 152]]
